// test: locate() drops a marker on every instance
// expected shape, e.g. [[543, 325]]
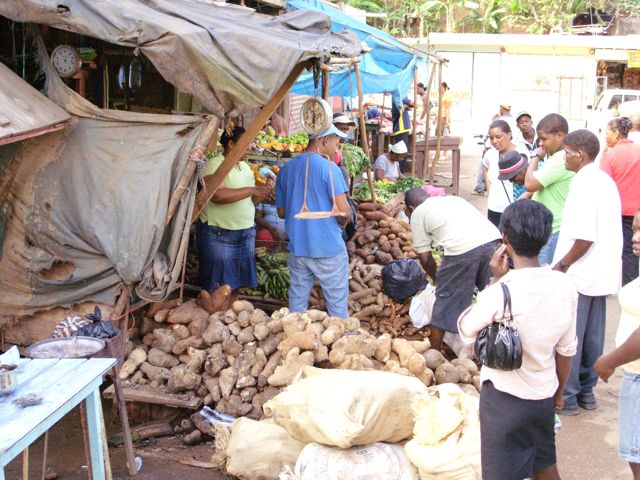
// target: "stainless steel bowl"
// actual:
[[8, 378], [69, 347]]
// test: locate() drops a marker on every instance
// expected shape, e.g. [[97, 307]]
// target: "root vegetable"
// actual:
[[213, 364], [268, 369], [157, 374], [246, 335], [361, 253], [369, 207], [370, 259], [361, 294], [187, 313], [196, 360], [275, 326], [161, 316], [198, 326], [433, 358], [244, 319], [409, 358], [184, 358], [368, 311], [420, 346], [270, 344], [331, 334], [258, 317], [137, 377], [396, 252], [148, 325], [259, 363], [181, 379], [351, 324], [235, 329], [227, 381], [247, 394], [447, 373], [233, 406], [137, 357], [383, 258], [293, 362], [375, 216], [307, 340], [383, 348], [426, 377], [351, 248], [467, 364], [316, 328], [232, 346], [220, 299], [293, 323], [148, 339], [394, 367], [181, 347], [193, 438], [159, 358], [211, 383], [356, 361], [229, 317], [261, 331], [156, 307], [216, 332], [362, 343], [242, 306], [163, 340], [321, 355], [463, 374], [180, 331], [477, 383]]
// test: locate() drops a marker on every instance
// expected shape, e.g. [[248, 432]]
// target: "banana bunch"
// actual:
[[273, 274]]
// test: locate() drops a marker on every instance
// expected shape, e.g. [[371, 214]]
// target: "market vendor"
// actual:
[[346, 125], [388, 164], [225, 231]]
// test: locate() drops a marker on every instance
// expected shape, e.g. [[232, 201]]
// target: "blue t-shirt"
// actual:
[[316, 238]]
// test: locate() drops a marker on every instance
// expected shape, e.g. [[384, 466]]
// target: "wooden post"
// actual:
[[325, 85], [439, 128], [363, 130], [213, 182], [425, 163], [415, 121]]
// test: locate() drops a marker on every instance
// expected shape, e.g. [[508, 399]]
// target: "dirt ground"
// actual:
[[586, 443]]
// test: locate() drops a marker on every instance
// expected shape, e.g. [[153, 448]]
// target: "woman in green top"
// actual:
[[225, 231]]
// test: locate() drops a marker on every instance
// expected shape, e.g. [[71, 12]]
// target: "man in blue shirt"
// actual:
[[316, 247], [401, 125]]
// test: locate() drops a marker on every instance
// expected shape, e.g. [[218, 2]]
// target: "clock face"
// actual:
[[316, 116], [66, 60]]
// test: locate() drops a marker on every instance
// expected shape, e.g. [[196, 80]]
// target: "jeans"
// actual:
[[333, 274], [590, 326], [480, 186], [629, 418], [629, 260], [546, 253]]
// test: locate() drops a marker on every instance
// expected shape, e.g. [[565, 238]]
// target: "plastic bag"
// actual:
[[98, 328], [402, 279], [422, 306], [498, 345]]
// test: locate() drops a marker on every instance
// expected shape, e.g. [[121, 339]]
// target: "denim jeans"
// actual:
[[629, 418], [480, 186], [590, 326], [333, 274], [546, 253]]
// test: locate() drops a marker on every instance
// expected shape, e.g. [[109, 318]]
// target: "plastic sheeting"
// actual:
[[388, 67], [83, 209], [229, 58]]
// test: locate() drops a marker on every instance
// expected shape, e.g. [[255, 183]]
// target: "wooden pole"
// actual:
[[415, 122], [425, 163], [363, 131], [325, 85], [439, 128], [213, 182]]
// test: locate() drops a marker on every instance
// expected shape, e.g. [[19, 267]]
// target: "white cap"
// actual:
[[343, 119], [399, 148]]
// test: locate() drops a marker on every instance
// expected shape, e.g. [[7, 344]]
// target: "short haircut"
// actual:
[[501, 124], [444, 84], [553, 123], [231, 135], [584, 140], [421, 85], [415, 197], [621, 125], [527, 226]]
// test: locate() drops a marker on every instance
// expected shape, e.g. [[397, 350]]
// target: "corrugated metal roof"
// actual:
[[25, 112]]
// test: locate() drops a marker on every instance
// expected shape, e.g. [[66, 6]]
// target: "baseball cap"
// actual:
[[510, 164], [505, 104], [522, 113], [399, 148], [331, 131], [344, 120]]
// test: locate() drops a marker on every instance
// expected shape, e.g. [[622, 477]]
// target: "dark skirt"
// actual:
[[226, 257], [517, 436]]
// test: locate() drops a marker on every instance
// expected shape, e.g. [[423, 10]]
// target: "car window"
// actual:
[[630, 98], [615, 101]]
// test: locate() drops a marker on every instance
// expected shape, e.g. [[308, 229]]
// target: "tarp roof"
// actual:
[[25, 111], [388, 67], [229, 58]]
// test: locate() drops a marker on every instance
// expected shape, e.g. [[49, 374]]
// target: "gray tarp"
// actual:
[[228, 57], [83, 209]]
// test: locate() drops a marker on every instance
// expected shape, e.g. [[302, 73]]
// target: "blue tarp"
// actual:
[[387, 68]]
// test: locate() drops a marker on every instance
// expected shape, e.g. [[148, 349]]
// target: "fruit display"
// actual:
[[273, 275], [295, 143], [262, 172]]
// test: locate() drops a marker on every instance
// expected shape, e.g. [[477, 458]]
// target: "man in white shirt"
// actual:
[[588, 251], [468, 239]]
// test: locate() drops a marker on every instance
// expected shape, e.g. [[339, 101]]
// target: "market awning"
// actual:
[[25, 111], [229, 58], [388, 67]]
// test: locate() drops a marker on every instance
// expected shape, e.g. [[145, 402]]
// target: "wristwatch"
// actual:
[[563, 265]]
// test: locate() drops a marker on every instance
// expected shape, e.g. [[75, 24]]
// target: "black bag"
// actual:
[[498, 345], [98, 328], [402, 279], [349, 230]]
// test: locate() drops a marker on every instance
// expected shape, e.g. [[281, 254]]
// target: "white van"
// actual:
[[606, 107]]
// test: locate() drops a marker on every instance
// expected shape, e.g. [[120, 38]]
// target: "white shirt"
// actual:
[[452, 223], [592, 212], [634, 137], [500, 196], [391, 169], [629, 298], [544, 306]]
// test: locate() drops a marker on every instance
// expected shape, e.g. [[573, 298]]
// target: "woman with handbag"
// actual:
[[523, 373]]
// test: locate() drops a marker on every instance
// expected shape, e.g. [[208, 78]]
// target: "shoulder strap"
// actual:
[[507, 302], [505, 191]]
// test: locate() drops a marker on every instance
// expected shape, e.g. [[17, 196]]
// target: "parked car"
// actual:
[[606, 107]]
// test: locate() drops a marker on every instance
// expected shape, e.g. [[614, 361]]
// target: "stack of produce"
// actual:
[[290, 143], [273, 275], [386, 189]]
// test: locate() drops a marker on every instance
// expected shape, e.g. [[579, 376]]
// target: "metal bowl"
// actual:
[[69, 347], [8, 378]]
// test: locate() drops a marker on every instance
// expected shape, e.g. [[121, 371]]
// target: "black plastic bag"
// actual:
[[402, 279], [498, 345], [98, 328], [349, 230]]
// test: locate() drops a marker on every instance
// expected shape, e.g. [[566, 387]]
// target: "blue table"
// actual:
[[63, 384]]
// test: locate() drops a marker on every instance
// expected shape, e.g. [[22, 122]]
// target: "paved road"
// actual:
[[587, 443]]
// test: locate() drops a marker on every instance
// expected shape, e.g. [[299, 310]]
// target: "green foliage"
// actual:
[[355, 160]]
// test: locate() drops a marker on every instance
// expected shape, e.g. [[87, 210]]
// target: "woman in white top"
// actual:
[[388, 164], [627, 355], [500, 191]]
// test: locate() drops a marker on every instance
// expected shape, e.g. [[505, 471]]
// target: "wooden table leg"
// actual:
[[455, 170], [95, 427], [25, 464]]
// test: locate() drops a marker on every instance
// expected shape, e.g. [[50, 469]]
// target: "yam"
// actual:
[[321, 355], [367, 292], [148, 339], [293, 323], [463, 374], [137, 377], [261, 331], [232, 346], [244, 319], [136, 358], [181, 379], [229, 317], [351, 248], [181, 346], [163, 340], [246, 335], [420, 346], [213, 364], [247, 394], [370, 259], [159, 358], [258, 317], [383, 348], [375, 216], [233, 406], [180, 331], [293, 362], [361, 253], [467, 364], [153, 373], [477, 382], [368, 311], [168, 305], [383, 258], [316, 315], [216, 332], [269, 368], [447, 373], [196, 360], [270, 344], [385, 246], [369, 207], [384, 223], [396, 253], [161, 316], [433, 358], [227, 380], [187, 312], [235, 328], [275, 326], [307, 340], [198, 326], [242, 306], [259, 362], [220, 299], [331, 334], [316, 328]]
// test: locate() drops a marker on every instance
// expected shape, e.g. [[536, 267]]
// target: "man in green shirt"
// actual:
[[550, 184]]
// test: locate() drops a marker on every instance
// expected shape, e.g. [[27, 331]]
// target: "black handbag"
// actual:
[[498, 345]]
